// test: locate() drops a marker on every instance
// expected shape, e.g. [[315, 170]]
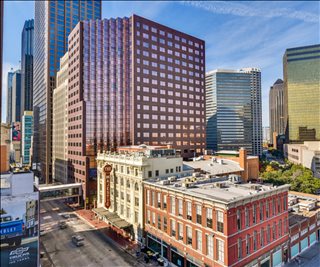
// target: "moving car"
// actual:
[[77, 240]]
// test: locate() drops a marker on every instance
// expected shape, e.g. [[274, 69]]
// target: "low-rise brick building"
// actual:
[[304, 222], [203, 221]]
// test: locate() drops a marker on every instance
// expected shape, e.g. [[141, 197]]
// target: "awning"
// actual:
[[112, 218]]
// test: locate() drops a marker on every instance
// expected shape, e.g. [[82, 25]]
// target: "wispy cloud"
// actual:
[[237, 9]]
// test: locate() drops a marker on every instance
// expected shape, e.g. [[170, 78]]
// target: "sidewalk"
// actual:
[[88, 216], [103, 227], [309, 258]]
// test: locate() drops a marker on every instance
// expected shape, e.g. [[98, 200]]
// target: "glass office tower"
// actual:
[[9, 97], [229, 110], [54, 20], [27, 130], [301, 70], [16, 97], [27, 43], [276, 109]]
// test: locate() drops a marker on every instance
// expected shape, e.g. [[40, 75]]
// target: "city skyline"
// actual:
[[261, 45]]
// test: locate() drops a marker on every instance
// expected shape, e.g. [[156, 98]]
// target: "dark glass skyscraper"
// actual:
[[276, 109], [229, 110], [54, 20], [27, 41]]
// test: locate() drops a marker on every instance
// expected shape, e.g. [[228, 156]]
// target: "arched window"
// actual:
[[136, 187], [128, 184]]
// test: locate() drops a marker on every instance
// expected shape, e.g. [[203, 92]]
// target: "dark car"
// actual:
[[78, 240], [63, 225]]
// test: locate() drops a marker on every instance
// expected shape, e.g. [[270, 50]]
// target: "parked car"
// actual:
[[63, 225], [66, 215], [11, 231], [78, 240]]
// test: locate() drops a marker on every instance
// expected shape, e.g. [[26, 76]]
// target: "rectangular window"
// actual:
[[199, 212], [280, 228], [220, 250], [254, 214], [173, 205], [246, 214], [220, 221], [153, 218], [164, 202], [255, 240], [173, 228], [199, 240], [159, 222], [189, 235], [209, 243], [180, 231], [189, 211], [209, 217], [247, 244], [261, 211], [148, 216], [180, 207], [239, 248], [262, 237], [267, 209], [148, 197], [159, 200], [165, 224], [238, 220]]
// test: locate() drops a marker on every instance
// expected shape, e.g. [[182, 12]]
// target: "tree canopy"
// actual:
[[300, 178]]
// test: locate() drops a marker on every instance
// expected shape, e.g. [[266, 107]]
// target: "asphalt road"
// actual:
[[59, 250]]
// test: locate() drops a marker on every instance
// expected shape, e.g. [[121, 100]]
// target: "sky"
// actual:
[[237, 34]]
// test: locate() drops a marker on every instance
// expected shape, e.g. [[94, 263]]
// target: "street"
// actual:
[[60, 251]]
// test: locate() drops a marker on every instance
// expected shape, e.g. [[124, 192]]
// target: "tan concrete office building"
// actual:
[[60, 124], [307, 154]]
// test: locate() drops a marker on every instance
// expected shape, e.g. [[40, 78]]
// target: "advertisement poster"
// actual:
[[19, 230], [16, 131]]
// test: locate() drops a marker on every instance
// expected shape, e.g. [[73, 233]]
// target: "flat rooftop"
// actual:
[[302, 206], [218, 189], [217, 167]]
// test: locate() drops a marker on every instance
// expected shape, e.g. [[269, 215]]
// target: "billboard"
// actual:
[[16, 131], [19, 230]]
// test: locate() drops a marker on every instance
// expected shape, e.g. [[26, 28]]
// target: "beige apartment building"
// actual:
[[60, 124], [120, 195]]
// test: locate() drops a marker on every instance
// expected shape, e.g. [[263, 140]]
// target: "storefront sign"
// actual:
[[107, 170]]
